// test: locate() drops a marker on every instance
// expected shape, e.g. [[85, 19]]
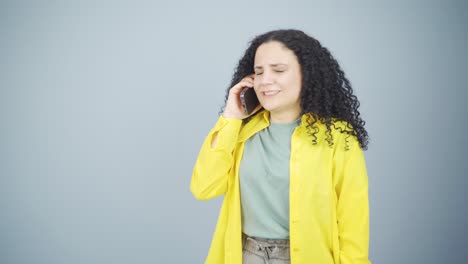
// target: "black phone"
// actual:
[[249, 100]]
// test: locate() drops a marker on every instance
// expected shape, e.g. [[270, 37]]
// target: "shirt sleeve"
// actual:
[[213, 164], [351, 187]]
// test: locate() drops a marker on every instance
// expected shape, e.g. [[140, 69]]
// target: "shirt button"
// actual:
[[296, 249]]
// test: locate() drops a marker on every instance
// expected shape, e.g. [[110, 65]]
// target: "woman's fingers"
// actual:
[[240, 86], [233, 106]]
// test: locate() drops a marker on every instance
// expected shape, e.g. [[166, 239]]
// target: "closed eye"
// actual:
[[259, 73]]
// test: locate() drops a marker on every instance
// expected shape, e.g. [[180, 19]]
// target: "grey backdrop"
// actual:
[[104, 106]]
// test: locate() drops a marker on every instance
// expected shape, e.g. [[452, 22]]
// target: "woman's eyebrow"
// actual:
[[273, 65]]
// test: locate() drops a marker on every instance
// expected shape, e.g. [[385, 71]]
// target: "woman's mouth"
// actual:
[[270, 93]]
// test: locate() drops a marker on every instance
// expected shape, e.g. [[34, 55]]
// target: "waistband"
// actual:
[[267, 248]]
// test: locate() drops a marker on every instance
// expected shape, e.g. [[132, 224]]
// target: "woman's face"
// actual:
[[278, 79]]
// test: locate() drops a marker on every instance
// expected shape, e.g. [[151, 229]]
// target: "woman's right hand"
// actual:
[[234, 108]]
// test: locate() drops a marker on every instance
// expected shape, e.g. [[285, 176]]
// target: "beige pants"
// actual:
[[265, 251]]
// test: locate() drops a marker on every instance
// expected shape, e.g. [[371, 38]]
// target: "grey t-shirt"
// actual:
[[264, 182]]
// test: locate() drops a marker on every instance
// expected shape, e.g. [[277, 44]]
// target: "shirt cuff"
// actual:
[[227, 130]]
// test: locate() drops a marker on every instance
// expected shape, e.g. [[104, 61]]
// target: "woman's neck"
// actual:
[[284, 117]]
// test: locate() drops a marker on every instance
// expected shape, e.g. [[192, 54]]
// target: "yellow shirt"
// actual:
[[328, 200]]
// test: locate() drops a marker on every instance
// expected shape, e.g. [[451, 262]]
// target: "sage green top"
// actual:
[[264, 182]]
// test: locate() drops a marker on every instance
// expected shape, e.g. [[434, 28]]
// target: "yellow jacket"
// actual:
[[328, 200]]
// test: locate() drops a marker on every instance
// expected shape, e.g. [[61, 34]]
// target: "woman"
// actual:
[[293, 173]]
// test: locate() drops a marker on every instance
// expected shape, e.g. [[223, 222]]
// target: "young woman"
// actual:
[[293, 172]]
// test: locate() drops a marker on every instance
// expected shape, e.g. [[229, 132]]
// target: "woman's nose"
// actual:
[[266, 78]]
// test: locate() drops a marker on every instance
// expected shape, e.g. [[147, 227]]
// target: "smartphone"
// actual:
[[249, 100]]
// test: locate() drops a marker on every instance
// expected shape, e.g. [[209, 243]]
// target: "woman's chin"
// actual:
[[268, 107]]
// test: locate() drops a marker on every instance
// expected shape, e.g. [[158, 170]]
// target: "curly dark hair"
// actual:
[[326, 93]]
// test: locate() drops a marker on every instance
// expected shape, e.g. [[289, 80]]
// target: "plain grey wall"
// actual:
[[104, 106]]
